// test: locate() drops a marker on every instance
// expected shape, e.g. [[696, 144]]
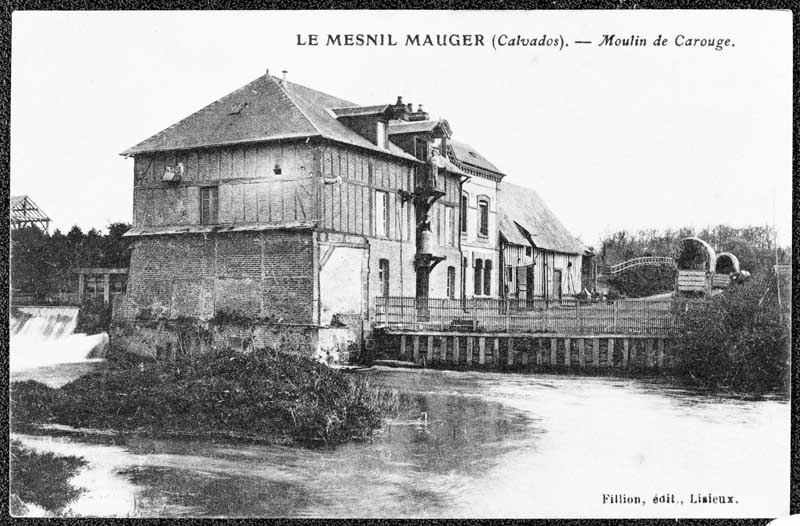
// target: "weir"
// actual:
[[42, 336]]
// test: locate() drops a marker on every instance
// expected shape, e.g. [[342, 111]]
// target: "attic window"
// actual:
[[237, 108], [277, 169]]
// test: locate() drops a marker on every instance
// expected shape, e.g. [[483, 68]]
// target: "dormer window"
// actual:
[[381, 135]]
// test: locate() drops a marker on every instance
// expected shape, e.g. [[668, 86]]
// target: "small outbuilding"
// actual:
[[727, 266], [696, 263]]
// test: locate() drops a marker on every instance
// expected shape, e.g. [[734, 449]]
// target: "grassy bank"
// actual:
[[739, 342], [260, 396], [41, 479]]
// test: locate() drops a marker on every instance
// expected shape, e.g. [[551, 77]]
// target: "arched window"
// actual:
[[487, 277], [383, 276], [483, 216], [451, 282], [478, 276]]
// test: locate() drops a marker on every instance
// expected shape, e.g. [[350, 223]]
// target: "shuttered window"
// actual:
[[487, 277], [381, 213], [464, 204], [209, 205], [478, 276], [449, 225], [451, 282]]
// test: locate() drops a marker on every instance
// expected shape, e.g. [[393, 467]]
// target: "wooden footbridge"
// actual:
[[642, 261]]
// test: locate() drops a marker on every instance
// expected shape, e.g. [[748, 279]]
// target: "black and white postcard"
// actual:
[[425, 264]]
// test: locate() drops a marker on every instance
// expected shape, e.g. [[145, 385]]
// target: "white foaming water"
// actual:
[[47, 338]]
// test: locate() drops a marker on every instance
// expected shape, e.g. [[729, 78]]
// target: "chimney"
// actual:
[[409, 108], [283, 80], [267, 73], [399, 101]]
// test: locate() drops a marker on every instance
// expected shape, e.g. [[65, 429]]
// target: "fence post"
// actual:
[[474, 314], [615, 309], [508, 313], [578, 315]]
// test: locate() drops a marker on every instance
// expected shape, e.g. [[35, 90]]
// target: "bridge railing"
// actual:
[[643, 260], [566, 316]]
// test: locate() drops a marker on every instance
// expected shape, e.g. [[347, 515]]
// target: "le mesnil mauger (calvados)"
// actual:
[[329, 223]]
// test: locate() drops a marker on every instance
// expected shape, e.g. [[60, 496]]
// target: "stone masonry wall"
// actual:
[[264, 275]]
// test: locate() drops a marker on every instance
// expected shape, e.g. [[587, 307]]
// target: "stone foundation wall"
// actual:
[[171, 339]]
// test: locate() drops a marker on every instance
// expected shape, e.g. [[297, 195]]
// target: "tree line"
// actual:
[[42, 263], [754, 246]]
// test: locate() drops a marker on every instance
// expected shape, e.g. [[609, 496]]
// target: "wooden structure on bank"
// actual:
[[23, 212], [528, 334], [504, 350], [696, 262], [100, 283], [726, 268]]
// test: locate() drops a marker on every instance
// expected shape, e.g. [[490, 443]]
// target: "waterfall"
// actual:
[[42, 336]]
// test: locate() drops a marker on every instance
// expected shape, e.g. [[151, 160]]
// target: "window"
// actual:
[[383, 276], [209, 205], [381, 213], [451, 282], [527, 251], [487, 277], [381, 135], [478, 276], [449, 225], [483, 217], [421, 148], [464, 204]]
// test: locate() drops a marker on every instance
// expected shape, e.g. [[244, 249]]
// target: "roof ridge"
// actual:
[[294, 103]]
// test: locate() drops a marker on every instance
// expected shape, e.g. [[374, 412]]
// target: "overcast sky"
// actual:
[[612, 138]]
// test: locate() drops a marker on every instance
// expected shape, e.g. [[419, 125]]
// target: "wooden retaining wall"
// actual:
[[504, 350]]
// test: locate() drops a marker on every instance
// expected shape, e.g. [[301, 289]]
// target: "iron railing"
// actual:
[[565, 316]]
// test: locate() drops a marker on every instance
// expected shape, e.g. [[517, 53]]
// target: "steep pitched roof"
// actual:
[[464, 153], [265, 109], [522, 211]]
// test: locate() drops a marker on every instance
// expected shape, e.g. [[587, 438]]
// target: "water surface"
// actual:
[[484, 445]]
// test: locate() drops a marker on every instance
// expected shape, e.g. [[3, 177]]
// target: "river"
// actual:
[[487, 445]]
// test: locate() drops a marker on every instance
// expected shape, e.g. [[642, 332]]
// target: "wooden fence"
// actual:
[[568, 316]]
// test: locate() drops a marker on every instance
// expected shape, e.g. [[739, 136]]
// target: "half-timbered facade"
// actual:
[[282, 203]]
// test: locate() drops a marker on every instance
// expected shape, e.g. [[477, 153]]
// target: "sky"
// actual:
[[612, 137]]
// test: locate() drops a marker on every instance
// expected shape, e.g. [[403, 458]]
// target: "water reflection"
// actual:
[[487, 445]]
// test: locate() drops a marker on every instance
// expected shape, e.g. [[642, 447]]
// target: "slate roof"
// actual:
[[522, 212], [269, 109], [464, 153]]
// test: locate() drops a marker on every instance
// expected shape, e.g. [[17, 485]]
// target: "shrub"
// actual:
[[737, 341], [259, 395], [43, 478]]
